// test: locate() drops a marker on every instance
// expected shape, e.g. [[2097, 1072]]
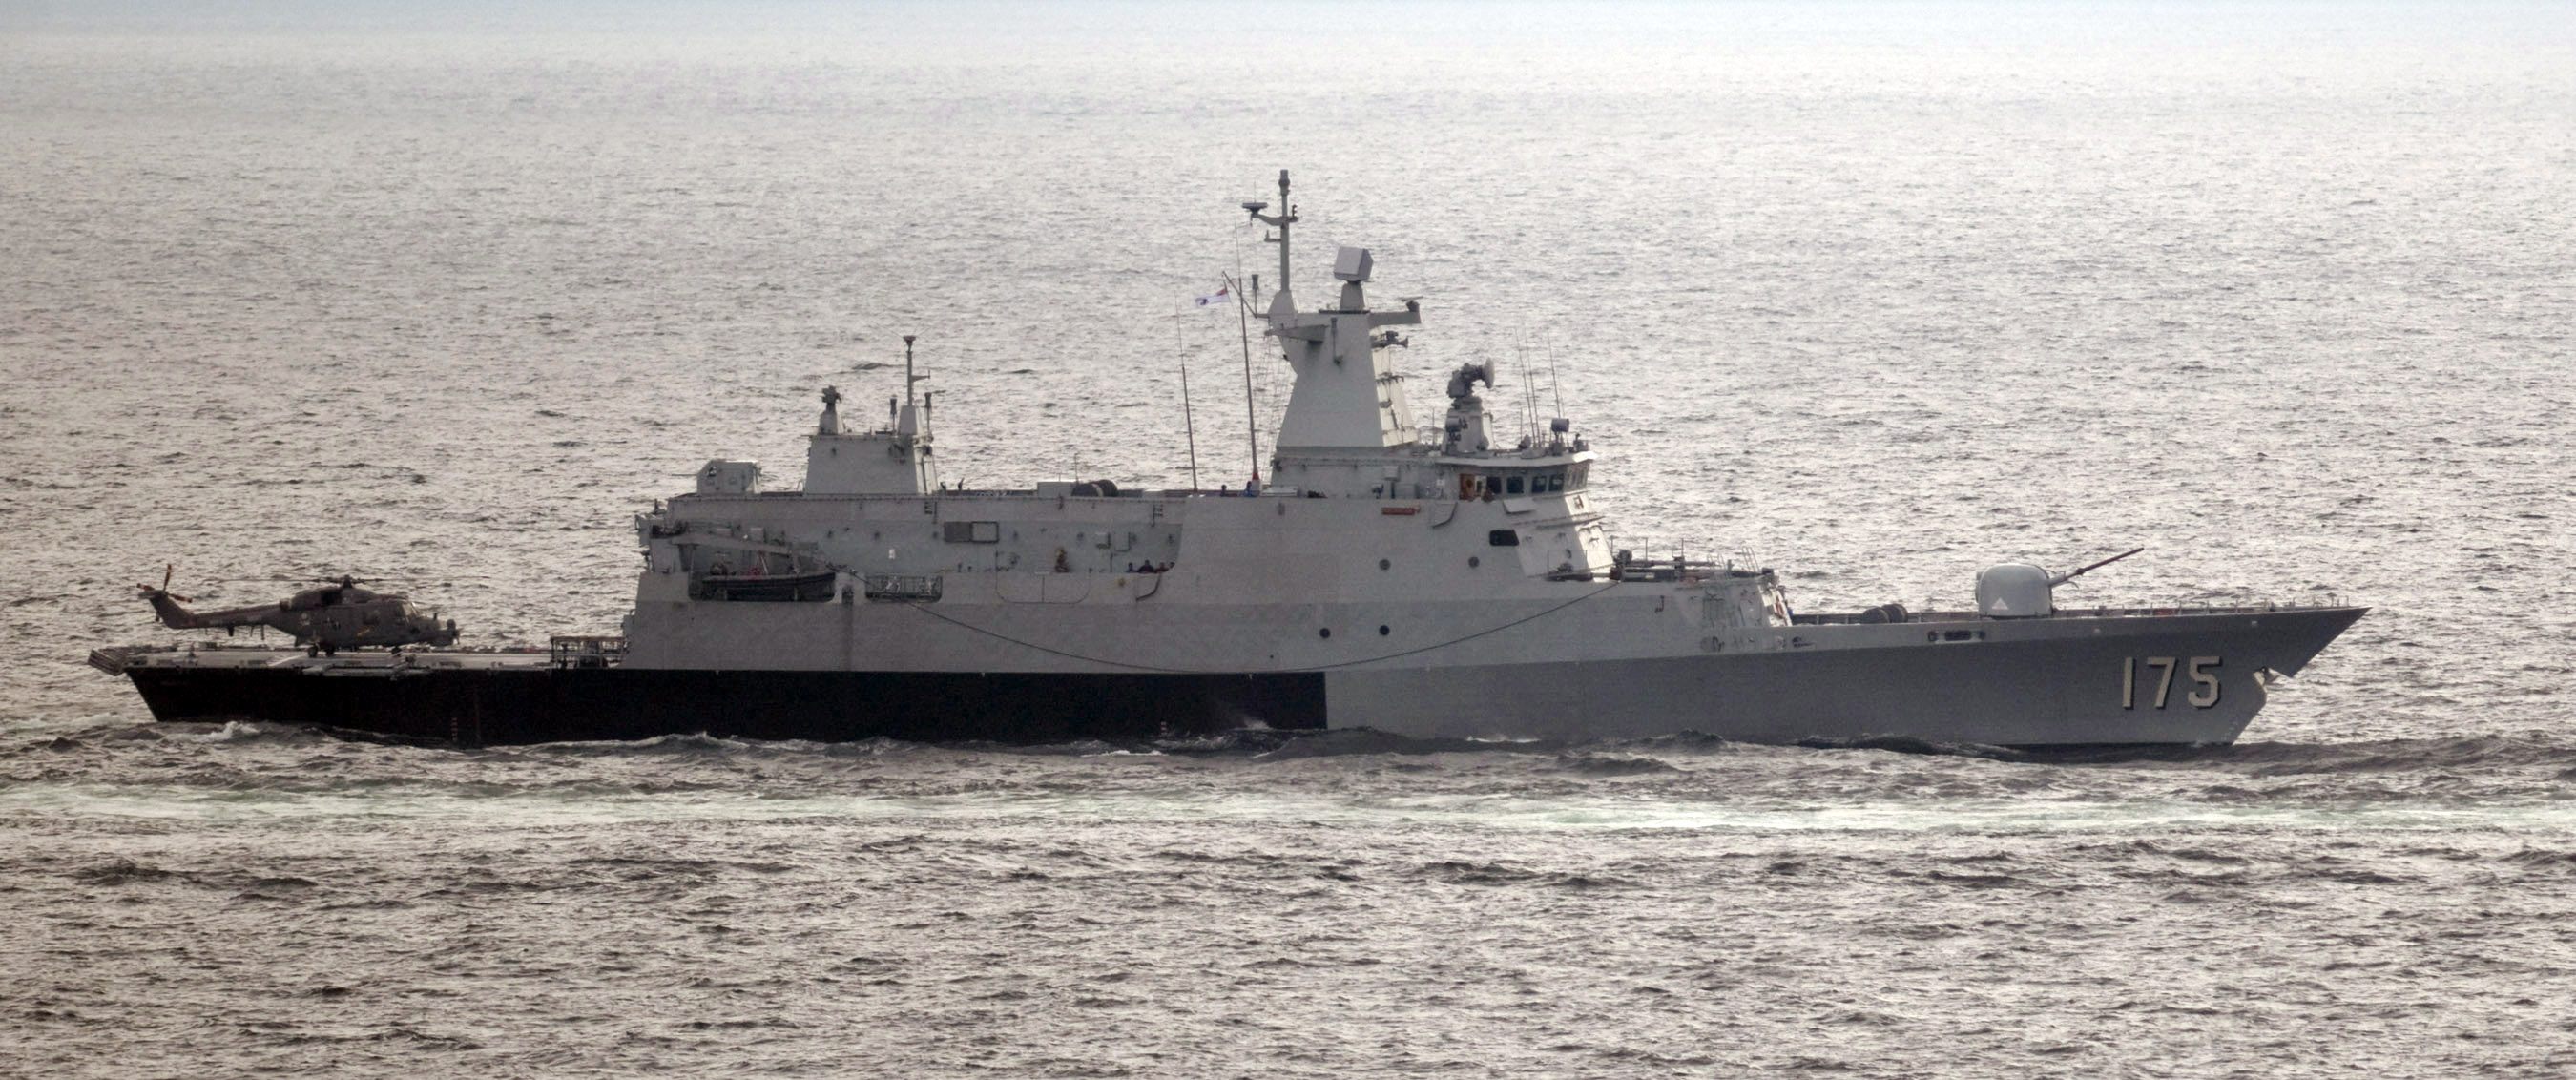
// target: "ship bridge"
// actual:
[[1349, 432]]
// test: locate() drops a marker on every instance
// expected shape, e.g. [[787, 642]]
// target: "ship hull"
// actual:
[[508, 706], [2057, 682]]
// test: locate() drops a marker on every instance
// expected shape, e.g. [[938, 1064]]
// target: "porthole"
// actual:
[[1383, 631], [1324, 632], [1473, 562], [1383, 564]]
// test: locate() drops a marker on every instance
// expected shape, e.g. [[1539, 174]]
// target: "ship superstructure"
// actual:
[[1448, 579]]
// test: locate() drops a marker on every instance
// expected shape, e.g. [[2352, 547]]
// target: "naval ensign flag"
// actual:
[[1221, 296]]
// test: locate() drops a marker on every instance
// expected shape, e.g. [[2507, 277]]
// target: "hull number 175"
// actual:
[[2161, 669]]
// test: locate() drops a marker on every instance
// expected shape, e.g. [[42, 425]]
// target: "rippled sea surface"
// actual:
[[1872, 294]]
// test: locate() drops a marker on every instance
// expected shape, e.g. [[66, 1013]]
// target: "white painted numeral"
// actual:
[[2164, 686], [2207, 695], [2196, 670]]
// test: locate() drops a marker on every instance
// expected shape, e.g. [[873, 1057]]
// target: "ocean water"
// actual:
[[1874, 294]]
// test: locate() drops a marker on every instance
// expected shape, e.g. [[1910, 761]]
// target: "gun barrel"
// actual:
[[2071, 575]]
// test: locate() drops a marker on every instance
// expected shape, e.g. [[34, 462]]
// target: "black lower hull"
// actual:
[[537, 705]]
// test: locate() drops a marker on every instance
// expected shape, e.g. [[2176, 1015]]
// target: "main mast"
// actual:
[[1347, 399], [1281, 303]]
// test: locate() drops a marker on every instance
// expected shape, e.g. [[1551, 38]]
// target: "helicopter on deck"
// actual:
[[337, 615]]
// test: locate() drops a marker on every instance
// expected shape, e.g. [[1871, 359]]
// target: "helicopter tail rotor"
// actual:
[[167, 569]]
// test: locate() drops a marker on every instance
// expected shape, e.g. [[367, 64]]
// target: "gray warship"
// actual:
[[1449, 580]]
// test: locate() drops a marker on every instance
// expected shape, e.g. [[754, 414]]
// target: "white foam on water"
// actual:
[[59, 802]]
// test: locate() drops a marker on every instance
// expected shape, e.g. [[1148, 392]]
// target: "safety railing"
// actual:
[[901, 587], [570, 651]]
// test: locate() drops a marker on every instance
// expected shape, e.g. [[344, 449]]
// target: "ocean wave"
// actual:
[[1340, 742], [1611, 765], [693, 744], [2268, 758], [1908, 744]]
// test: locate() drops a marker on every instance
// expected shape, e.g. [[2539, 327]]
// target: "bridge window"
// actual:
[[1512, 486], [1504, 538]]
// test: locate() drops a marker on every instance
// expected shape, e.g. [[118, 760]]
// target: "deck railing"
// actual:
[[586, 651], [901, 586], [1855, 617]]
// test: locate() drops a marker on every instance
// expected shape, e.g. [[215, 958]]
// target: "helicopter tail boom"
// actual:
[[167, 610]]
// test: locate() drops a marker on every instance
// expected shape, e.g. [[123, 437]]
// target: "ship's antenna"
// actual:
[[1286, 217], [1522, 349], [1251, 297], [1243, 325], [1553, 386], [1187, 425], [1282, 305], [908, 377], [1520, 355], [1529, 395]]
